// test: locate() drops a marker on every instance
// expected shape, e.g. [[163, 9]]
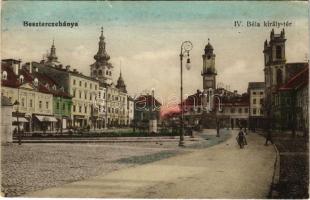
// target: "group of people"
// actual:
[[241, 139]]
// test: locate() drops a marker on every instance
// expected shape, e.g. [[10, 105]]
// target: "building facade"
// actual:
[[277, 71], [35, 96], [82, 89], [256, 91], [114, 97]]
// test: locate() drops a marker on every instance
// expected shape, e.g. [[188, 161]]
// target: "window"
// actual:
[[85, 95], [246, 110], [278, 52], [261, 101], [80, 108], [99, 95], [107, 72], [254, 93], [40, 104], [90, 97], [85, 84], [261, 111], [232, 110], [80, 83], [85, 109], [254, 101], [73, 108], [57, 105], [95, 87], [30, 103], [109, 110], [54, 87], [240, 110], [91, 86], [254, 111], [103, 95], [23, 102], [261, 93], [100, 72], [4, 75], [73, 93], [46, 105], [63, 107], [80, 94], [74, 82]]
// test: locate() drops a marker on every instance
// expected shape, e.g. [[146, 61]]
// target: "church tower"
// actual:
[[102, 68], [208, 71], [52, 59]]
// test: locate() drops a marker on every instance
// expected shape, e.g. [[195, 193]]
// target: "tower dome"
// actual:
[[208, 48]]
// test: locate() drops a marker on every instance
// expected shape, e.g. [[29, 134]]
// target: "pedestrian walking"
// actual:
[[268, 138]]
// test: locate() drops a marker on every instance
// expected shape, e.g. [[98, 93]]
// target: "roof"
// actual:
[[63, 69], [43, 79], [294, 68], [5, 101], [300, 79], [256, 85], [146, 100]]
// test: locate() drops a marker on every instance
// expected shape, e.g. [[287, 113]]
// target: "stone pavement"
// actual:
[[221, 171]]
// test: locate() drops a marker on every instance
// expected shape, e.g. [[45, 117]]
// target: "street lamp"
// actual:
[[186, 46], [17, 118]]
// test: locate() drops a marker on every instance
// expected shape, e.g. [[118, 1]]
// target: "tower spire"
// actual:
[[101, 55], [52, 56]]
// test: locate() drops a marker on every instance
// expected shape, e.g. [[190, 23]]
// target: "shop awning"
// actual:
[[46, 118], [20, 119]]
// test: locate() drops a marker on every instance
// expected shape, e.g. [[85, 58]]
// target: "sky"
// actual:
[[144, 39]]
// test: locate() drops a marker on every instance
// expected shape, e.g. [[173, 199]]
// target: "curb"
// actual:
[[273, 193]]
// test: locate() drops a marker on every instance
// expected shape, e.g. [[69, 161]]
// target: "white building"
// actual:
[[256, 90]]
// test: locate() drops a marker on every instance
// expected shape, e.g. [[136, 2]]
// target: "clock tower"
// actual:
[[208, 71]]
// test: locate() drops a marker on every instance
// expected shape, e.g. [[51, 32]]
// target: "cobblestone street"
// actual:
[[221, 171], [32, 167]]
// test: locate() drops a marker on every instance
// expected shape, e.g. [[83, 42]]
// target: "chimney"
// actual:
[[30, 68], [235, 92], [15, 68], [68, 67]]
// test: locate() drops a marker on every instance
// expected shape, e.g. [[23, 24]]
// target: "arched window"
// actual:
[[279, 76], [278, 52], [94, 73], [21, 78], [4, 75], [100, 72], [54, 87]]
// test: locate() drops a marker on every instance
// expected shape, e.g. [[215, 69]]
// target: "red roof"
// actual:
[[300, 79], [43, 79]]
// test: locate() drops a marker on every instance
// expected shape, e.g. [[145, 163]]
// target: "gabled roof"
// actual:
[[297, 81]]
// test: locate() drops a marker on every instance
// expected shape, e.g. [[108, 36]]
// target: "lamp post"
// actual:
[[186, 46], [17, 118]]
